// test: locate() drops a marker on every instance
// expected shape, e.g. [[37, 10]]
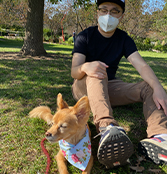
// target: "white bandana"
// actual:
[[78, 155]]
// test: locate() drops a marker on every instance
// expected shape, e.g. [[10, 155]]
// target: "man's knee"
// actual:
[[92, 81]]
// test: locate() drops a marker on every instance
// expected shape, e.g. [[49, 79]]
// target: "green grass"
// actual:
[[27, 82], [7, 45]]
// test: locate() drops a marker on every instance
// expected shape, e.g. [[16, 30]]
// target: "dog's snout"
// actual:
[[48, 134]]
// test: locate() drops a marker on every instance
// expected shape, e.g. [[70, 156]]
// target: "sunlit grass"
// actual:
[[27, 82], [10, 45]]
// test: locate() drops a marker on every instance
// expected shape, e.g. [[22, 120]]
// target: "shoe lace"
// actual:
[[104, 129]]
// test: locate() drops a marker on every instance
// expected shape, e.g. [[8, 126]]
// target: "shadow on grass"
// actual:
[[33, 82], [58, 47], [28, 80], [11, 43], [129, 74], [14, 43]]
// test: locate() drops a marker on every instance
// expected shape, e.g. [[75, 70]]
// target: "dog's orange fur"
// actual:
[[68, 123]]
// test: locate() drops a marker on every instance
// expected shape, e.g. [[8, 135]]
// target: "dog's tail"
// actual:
[[42, 112]]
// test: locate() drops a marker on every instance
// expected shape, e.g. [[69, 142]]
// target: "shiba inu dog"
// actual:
[[70, 129]]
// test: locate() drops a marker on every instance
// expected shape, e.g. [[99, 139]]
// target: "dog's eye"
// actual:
[[62, 126], [51, 124]]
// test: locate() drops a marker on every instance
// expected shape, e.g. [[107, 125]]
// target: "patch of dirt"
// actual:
[[18, 56], [2, 106]]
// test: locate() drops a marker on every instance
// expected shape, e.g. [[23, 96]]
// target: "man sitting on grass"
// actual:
[[96, 55]]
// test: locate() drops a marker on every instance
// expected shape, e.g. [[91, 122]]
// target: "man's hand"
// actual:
[[159, 94], [160, 99], [95, 69]]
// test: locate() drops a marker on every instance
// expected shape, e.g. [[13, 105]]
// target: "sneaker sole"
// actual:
[[115, 149], [153, 151]]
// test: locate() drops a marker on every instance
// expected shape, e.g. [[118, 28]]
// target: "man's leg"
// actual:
[[114, 147], [122, 93], [97, 92]]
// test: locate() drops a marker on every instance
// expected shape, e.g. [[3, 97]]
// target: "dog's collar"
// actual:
[[78, 155]]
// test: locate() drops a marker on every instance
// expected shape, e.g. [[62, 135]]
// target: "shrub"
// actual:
[[163, 43], [70, 40], [49, 37], [162, 48], [46, 38], [142, 44], [143, 47], [67, 36], [46, 32], [53, 39], [15, 29], [147, 41], [2, 33]]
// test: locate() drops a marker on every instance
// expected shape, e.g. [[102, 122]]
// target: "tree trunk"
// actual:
[[33, 41]]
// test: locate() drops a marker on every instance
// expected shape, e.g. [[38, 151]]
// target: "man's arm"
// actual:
[[77, 62], [80, 68], [159, 95]]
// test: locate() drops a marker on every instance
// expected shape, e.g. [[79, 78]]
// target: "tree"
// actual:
[[78, 17], [134, 21], [13, 12], [54, 17], [33, 42], [52, 20], [160, 21]]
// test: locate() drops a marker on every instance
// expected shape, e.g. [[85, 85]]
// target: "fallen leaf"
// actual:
[[141, 158], [155, 170], [137, 168]]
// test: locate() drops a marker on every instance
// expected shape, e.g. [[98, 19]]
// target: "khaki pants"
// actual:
[[104, 94]]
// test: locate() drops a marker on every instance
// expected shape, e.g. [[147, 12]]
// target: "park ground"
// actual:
[[27, 82]]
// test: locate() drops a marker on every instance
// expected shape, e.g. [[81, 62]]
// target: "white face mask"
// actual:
[[108, 22]]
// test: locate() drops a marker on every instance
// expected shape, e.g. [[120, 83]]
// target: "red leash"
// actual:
[[47, 155]]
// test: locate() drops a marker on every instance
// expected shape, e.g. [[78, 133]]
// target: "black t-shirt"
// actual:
[[108, 50]]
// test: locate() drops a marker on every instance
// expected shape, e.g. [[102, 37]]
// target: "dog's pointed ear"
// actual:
[[82, 108], [60, 102]]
